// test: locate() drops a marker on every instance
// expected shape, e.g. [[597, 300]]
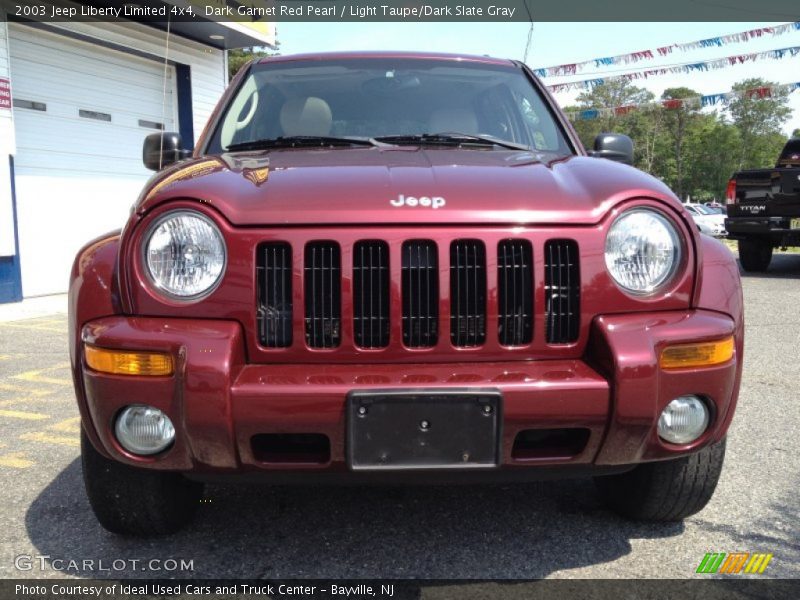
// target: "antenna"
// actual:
[[164, 96], [530, 33]]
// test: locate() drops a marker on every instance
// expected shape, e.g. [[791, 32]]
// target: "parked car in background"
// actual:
[[707, 219], [764, 209]]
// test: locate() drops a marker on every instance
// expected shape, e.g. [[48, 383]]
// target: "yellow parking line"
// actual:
[[23, 390], [20, 414], [34, 327], [38, 400], [71, 425], [36, 376], [41, 436], [15, 460]]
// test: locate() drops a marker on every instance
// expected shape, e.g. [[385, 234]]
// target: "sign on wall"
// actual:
[[5, 93]]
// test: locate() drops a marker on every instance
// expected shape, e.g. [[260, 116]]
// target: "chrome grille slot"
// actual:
[[467, 293], [562, 291], [420, 283], [371, 294], [323, 283], [274, 313], [514, 292]]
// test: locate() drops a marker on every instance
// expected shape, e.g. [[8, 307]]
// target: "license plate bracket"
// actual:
[[423, 429]]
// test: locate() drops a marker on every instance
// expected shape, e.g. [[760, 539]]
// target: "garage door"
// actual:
[[81, 113]]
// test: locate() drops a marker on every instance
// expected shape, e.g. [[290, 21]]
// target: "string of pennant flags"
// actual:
[[720, 63], [676, 103], [634, 57]]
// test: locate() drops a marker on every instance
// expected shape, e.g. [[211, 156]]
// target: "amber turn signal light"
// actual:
[[704, 354], [123, 362]]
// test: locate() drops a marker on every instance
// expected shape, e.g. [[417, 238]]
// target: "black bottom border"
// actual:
[[730, 588]]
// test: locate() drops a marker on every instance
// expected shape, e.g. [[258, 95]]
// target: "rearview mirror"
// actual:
[[162, 149], [613, 146]]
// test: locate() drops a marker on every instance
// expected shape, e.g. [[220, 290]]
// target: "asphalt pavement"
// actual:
[[549, 529]]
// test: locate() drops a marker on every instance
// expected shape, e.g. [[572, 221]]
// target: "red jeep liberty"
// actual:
[[393, 267]]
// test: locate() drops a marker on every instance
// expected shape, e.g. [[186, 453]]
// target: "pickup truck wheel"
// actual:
[[668, 490], [755, 255], [140, 502]]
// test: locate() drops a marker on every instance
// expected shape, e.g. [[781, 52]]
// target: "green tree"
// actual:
[[759, 117], [682, 109], [605, 98], [796, 133], [239, 57], [711, 156]]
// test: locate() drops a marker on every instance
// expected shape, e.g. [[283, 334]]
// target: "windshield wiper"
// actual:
[[304, 141], [451, 139]]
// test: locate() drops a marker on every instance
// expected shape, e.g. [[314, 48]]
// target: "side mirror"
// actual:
[[162, 149], [613, 146]]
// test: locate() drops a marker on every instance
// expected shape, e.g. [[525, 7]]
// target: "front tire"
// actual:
[[669, 490], [139, 502], [755, 255]]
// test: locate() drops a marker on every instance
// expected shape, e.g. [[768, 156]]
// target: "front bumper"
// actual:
[[218, 402]]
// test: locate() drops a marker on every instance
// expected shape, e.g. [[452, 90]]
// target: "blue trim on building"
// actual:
[[183, 76], [10, 273]]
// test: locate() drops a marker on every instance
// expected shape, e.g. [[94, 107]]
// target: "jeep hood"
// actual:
[[358, 185]]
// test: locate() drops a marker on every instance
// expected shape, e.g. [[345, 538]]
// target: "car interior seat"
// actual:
[[306, 116]]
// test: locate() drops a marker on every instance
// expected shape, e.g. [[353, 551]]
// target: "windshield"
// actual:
[[388, 98]]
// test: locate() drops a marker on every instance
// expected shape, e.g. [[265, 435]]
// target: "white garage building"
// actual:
[[83, 97]]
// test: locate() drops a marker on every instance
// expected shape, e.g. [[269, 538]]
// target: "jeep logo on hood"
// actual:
[[424, 201]]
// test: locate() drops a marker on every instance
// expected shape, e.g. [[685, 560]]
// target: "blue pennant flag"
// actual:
[[711, 99], [715, 41]]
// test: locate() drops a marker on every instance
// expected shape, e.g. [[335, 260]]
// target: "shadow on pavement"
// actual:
[[782, 266], [520, 531]]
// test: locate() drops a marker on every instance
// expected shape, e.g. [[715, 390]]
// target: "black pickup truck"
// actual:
[[764, 209]]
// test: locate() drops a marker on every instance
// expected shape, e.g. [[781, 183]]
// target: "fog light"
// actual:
[[683, 420], [144, 430]]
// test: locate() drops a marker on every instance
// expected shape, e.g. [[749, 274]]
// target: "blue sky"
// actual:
[[559, 43]]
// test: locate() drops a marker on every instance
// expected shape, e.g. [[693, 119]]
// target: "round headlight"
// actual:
[[185, 254], [642, 250]]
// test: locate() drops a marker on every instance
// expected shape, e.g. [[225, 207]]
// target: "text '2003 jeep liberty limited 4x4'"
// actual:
[[385, 267]]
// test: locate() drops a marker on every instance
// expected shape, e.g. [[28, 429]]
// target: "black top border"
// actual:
[[277, 11]]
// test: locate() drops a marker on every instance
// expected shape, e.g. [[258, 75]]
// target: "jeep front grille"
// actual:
[[323, 282], [562, 291], [418, 294], [514, 292], [371, 294], [420, 283], [274, 274], [467, 293]]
